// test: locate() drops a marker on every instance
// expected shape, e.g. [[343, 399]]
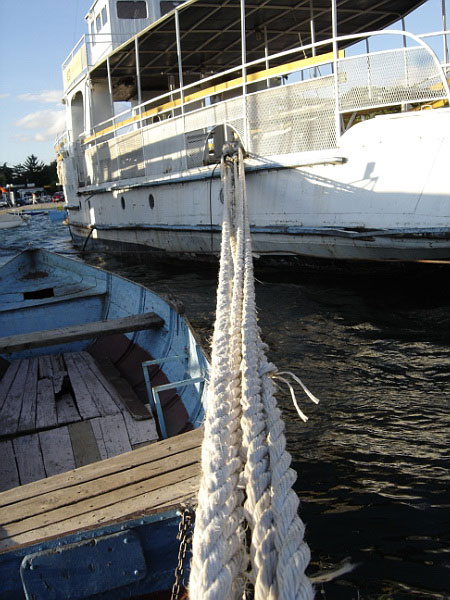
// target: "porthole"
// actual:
[[122, 202], [151, 201]]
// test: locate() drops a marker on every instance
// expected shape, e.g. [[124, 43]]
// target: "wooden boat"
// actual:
[[96, 372], [347, 144]]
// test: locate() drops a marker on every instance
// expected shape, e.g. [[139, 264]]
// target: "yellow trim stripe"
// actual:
[[221, 87]]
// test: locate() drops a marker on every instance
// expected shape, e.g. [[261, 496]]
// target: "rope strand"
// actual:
[[244, 441]]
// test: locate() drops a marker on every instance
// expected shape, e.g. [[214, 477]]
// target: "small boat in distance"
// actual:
[[345, 123], [101, 390], [10, 220]]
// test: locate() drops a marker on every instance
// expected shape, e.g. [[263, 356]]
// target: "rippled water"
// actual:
[[373, 459]]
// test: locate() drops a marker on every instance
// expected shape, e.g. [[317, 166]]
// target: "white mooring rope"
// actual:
[[244, 447]]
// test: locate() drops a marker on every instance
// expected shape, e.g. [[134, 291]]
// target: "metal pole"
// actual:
[[313, 33], [244, 75], [266, 53], [312, 27], [108, 68], [337, 116], [444, 27], [138, 73], [180, 77]]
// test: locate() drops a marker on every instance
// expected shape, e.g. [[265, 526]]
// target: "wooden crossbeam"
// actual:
[[50, 337]]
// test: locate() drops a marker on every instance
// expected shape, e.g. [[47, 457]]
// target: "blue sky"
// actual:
[[37, 36]]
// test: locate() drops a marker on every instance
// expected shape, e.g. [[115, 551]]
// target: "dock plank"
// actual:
[[7, 380], [56, 450], [23, 500], [165, 489], [101, 396], [140, 431], [66, 411], [83, 398], [10, 413], [97, 431], [84, 444], [45, 367], [51, 337], [107, 487], [9, 475], [27, 421], [46, 407], [115, 435], [29, 458], [120, 389]]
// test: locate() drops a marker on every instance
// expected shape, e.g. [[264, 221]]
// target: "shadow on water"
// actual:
[[373, 459]]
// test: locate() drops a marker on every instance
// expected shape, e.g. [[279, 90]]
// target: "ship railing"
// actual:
[[282, 108]]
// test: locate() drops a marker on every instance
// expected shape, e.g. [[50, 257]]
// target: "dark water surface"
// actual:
[[373, 459]]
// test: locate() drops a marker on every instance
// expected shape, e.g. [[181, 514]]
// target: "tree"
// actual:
[[6, 175]]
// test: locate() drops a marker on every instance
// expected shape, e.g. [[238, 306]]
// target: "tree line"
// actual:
[[31, 171]]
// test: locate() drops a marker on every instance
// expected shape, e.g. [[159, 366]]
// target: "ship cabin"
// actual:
[[156, 86]]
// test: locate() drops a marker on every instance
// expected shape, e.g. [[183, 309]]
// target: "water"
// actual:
[[373, 459]]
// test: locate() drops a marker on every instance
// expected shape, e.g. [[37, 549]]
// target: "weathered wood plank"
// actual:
[[46, 407], [120, 389], [45, 490], [115, 435], [140, 431], [97, 431], [66, 411], [29, 458], [85, 404], [45, 367], [101, 396], [27, 421], [58, 371], [9, 475], [84, 445], [7, 380], [144, 496], [56, 451], [111, 488], [50, 337], [10, 414]]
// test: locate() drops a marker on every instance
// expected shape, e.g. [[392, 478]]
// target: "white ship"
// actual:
[[345, 123]]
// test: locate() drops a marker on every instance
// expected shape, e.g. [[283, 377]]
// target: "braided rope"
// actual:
[[244, 441]]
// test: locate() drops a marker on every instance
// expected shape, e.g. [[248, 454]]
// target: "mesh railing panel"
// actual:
[[393, 77], [294, 118]]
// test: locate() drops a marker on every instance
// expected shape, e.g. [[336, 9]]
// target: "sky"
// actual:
[[37, 36]]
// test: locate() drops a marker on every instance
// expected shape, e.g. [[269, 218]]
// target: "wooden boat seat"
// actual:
[[160, 476], [50, 337]]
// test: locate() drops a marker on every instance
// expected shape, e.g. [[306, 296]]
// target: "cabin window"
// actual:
[[98, 23], [92, 33], [151, 201], [122, 202], [132, 9], [104, 16]]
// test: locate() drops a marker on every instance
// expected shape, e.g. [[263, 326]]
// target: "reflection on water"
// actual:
[[373, 459]]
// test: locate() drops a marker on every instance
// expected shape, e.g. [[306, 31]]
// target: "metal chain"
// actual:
[[184, 534]]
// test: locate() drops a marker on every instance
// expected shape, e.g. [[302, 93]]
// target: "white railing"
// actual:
[[169, 132]]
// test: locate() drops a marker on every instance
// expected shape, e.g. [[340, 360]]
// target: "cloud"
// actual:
[[45, 97], [4, 96], [44, 124]]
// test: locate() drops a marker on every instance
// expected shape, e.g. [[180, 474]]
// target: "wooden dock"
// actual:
[[60, 412], [151, 478]]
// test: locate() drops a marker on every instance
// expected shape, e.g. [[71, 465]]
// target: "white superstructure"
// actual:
[[347, 148]]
